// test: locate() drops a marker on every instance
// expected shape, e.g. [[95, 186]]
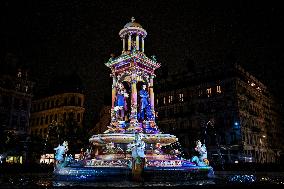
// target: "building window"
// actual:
[[50, 118], [25, 104], [14, 121], [78, 117], [180, 97], [65, 101], [19, 74], [46, 119], [56, 103], [164, 100], [18, 86], [208, 92], [16, 103], [219, 89], [64, 116], [26, 88], [41, 121], [72, 101], [170, 99], [79, 101], [199, 92]]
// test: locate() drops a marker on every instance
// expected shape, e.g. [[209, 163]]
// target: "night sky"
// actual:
[[56, 37]]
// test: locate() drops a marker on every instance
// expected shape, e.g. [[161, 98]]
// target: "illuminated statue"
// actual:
[[202, 159], [137, 148], [87, 154], [60, 151], [145, 107], [121, 105]]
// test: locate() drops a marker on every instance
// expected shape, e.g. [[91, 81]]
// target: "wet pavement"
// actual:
[[221, 179]]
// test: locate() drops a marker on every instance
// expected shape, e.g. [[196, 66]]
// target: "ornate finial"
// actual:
[[132, 19]]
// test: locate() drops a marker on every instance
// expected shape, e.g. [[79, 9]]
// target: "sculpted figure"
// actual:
[[145, 107], [202, 159], [121, 105], [60, 150]]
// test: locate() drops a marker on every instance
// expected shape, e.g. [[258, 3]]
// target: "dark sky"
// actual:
[[55, 37]]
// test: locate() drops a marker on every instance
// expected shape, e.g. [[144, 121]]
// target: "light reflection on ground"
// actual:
[[46, 180]]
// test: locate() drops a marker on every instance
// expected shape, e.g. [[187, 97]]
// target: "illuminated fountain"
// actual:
[[132, 143]]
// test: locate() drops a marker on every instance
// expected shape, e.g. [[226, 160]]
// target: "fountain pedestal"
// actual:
[[137, 169]]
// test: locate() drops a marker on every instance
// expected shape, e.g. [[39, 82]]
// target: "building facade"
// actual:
[[15, 101], [15, 104], [226, 107], [55, 110], [103, 122]]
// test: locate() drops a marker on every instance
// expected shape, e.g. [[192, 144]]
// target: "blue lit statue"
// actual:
[[121, 96], [60, 150], [202, 159], [145, 107]]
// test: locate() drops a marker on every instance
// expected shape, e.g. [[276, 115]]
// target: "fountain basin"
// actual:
[[126, 138]]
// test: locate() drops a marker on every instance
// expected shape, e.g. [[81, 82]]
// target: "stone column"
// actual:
[[113, 90], [133, 99], [123, 44], [142, 48], [129, 42], [137, 42], [151, 91]]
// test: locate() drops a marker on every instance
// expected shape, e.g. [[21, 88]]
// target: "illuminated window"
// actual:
[[199, 92], [219, 89], [170, 99], [208, 92], [18, 86], [164, 100], [180, 97], [19, 74]]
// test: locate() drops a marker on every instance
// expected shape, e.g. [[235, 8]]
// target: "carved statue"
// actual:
[[87, 154], [137, 148], [60, 151], [121, 105], [202, 159], [145, 107]]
